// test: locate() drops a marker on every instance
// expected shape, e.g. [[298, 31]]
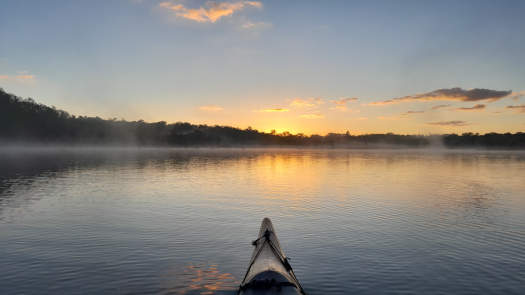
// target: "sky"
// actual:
[[313, 67]]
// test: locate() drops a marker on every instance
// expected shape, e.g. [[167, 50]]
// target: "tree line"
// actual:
[[24, 120]]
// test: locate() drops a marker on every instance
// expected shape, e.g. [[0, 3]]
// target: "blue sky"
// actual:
[[232, 62]]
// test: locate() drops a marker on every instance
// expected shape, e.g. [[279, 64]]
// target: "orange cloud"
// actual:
[[306, 102], [388, 117], [458, 94], [517, 95], [211, 12], [341, 108], [25, 77], [478, 107], [211, 108], [519, 108], [412, 113], [311, 116], [343, 101], [449, 123], [340, 104], [21, 77], [276, 110], [440, 106]]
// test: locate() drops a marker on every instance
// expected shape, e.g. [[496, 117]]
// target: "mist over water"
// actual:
[[180, 221]]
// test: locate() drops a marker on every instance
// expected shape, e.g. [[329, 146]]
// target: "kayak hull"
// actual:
[[263, 289], [269, 271], [272, 291]]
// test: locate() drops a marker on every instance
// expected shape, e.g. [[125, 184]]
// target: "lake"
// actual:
[[181, 221]]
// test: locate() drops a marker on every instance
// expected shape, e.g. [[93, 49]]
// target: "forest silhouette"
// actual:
[[26, 121]]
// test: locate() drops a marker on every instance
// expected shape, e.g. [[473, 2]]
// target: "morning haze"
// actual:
[[229, 63], [237, 147]]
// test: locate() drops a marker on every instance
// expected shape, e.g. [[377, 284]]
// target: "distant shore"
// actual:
[[25, 122]]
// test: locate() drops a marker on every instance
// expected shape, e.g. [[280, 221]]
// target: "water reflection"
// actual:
[[373, 222], [201, 279]]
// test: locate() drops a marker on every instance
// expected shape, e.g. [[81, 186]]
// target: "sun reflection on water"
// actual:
[[201, 279]]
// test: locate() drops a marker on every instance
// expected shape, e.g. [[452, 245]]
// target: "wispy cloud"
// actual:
[[440, 106], [211, 12], [412, 113], [340, 104], [275, 110], [478, 107], [306, 102], [457, 94], [343, 101], [456, 123], [211, 108], [388, 117], [25, 77], [342, 108], [21, 77], [311, 116], [517, 95], [248, 25], [518, 108]]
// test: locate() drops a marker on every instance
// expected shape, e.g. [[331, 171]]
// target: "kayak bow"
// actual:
[[269, 271]]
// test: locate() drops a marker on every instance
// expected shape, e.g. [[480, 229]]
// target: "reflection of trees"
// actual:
[[489, 140], [20, 168]]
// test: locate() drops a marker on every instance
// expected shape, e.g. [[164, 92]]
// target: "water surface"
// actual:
[[171, 221]]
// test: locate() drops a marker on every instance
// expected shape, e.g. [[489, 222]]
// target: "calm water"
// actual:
[[181, 222]]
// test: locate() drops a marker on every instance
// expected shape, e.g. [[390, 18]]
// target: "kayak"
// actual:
[[269, 271]]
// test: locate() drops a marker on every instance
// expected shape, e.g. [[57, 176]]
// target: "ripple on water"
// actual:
[[180, 222]]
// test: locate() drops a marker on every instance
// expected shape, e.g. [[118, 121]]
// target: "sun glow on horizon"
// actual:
[[243, 63]]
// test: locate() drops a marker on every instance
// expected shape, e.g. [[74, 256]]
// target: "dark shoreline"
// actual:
[[26, 122]]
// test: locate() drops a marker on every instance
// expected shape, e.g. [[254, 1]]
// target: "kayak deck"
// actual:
[[269, 271]]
